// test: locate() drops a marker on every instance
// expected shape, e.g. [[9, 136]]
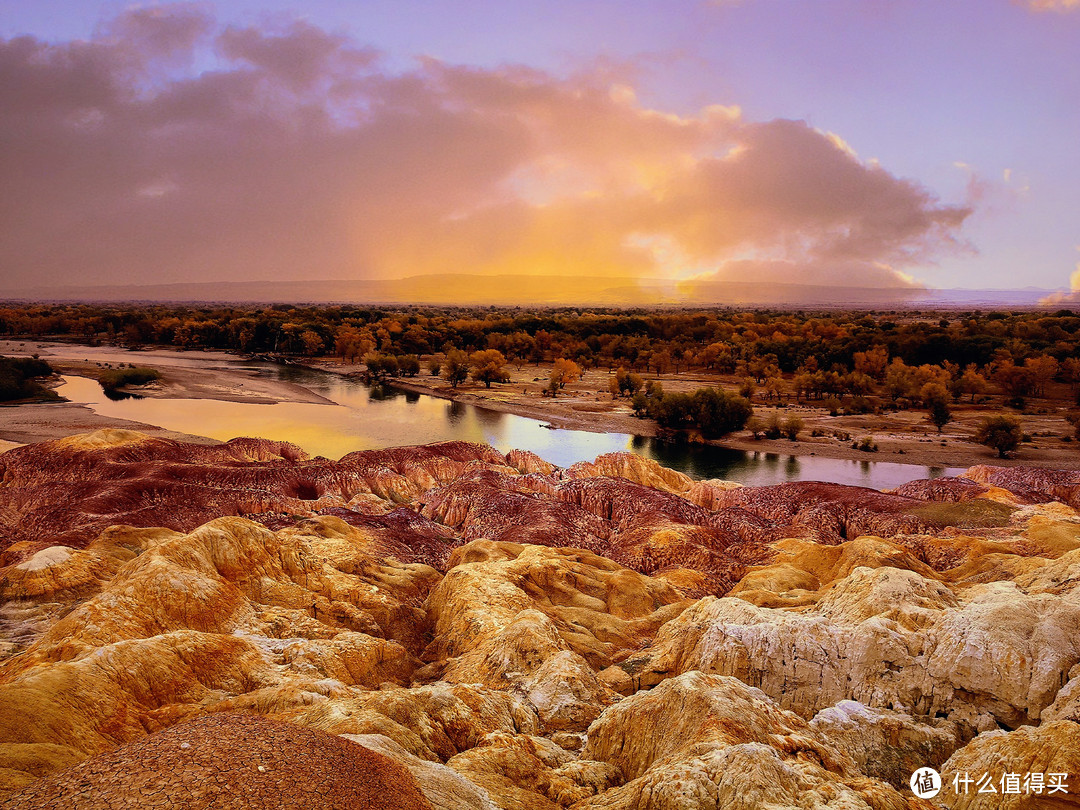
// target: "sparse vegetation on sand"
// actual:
[[20, 379], [113, 379]]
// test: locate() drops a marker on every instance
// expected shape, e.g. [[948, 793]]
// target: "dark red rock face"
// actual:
[[950, 490], [57, 495], [1031, 484], [497, 506], [229, 762], [827, 513], [417, 504]]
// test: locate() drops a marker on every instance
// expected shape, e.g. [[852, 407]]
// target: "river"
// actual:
[[366, 417]]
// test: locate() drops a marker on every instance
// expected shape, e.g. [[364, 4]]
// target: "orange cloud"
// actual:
[[1059, 6], [301, 156]]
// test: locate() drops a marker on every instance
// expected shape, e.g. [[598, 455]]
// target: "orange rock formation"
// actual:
[[491, 631]]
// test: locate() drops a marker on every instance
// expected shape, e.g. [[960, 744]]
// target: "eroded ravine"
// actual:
[[516, 635]]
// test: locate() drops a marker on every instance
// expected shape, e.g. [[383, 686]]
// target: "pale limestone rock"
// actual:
[[907, 598], [707, 493], [1066, 705], [886, 638], [1053, 747], [170, 624], [433, 722], [566, 692], [498, 616], [526, 462], [98, 439], [802, 570], [1060, 576], [634, 468], [886, 745], [523, 772], [351, 658], [701, 740]]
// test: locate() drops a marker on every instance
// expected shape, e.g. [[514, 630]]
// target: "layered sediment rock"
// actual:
[[888, 638], [514, 635], [1050, 752], [700, 740]]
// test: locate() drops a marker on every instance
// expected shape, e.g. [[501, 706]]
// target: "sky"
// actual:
[[893, 143]]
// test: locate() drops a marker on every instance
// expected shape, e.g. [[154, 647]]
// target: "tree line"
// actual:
[[653, 342], [840, 359]]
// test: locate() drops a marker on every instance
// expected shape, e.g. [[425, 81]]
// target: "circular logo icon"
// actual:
[[925, 783]]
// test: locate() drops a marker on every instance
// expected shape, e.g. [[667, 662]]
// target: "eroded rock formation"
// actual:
[[491, 631]]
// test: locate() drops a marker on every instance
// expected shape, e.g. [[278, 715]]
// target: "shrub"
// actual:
[[626, 382], [861, 405], [119, 377], [773, 430], [866, 445], [1003, 433], [17, 378], [714, 412], [409, 365], [1074, 420], [717, 413], [381, 365], [791, 427], [940, 414]]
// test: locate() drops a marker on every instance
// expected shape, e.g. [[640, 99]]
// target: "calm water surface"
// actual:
[[374, 417]]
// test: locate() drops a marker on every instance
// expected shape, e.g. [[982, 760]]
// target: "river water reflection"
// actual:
[[375, 417]]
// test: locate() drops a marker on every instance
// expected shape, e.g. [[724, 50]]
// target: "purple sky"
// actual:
[[931, 140]]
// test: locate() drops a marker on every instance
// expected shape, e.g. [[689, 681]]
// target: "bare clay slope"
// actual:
[[513, 635]]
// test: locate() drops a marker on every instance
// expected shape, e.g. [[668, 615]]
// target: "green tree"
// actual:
[[717, 412], [1003, 433], [456, 368], [791, 427], [381, 366], [409, 365]]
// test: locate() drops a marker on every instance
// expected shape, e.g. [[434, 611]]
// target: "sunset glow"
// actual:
[[864, 144]]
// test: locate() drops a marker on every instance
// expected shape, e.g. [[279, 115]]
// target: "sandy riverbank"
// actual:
[[904, 437], [40, 422], [185, 375]]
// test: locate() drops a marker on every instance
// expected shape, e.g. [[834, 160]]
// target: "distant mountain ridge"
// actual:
[[466, 289]]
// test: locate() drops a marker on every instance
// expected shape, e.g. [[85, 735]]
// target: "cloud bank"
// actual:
[[168, 148], [1060, 6]]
